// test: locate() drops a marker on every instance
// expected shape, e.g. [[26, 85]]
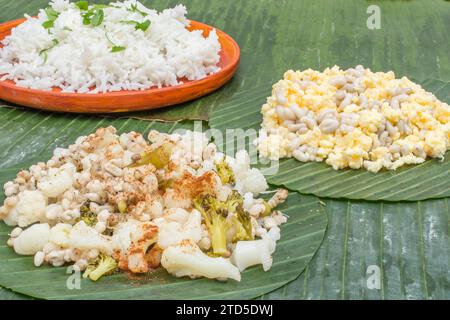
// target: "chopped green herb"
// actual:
[[134, 8], [94, 16], [109, 39], [87, 19], [97, 18], [48, 24], [143, 25], [44, 52], [45, 55], [129, 22], [117, 49], [138, 25], [82, 5], [101, 6], [52, 15], [67, 29]]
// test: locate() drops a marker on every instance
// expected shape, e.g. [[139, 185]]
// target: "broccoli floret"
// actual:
[[233, 201], [242, 224], [219, 221], [159, 157], [216, 222], [225, 173], [218, 228], [87, 215], [101, 267]]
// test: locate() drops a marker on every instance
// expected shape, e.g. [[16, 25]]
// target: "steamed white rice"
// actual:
[[82, 60]]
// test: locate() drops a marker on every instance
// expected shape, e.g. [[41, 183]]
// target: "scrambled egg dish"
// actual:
[[353, 118]]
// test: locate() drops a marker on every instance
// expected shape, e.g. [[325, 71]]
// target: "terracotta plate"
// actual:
[[124, 101]]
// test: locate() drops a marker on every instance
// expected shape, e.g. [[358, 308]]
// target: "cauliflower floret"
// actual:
[[125, 233], [187, 259], [248, 201], [175, 199], [173, 232], [29, 209], [176, 214], [58, 181], [32, 239], [59, 235], [250, 253], [133, 239], [247, 179], [84, 237], [53, 211], [253, 182]]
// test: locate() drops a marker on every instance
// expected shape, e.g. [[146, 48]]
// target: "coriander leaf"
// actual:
[[101, 6], [48, 24], [67, 29], [88, 13], [143, 25], [87, 17], [117, 49], [97, 18], [109, 40], [134, 8], [45, 51], [52, 15], [138, 25], [82, 5], [45, 56], [129, 22]]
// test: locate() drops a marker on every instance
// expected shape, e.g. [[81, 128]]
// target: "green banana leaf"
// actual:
[[170, 114], [299, 34], [416, 182], [6, 294], [29, 137], [406, 244], [301, 237], [302, 34]]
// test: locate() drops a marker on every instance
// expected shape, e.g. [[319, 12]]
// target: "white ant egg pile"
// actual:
[[114, 201]]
